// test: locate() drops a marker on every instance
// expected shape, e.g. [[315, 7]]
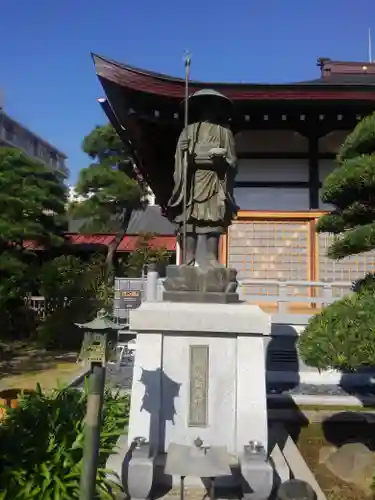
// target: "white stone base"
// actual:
[[237, 403]]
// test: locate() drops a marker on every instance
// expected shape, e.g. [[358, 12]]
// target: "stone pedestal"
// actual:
[[201, 285], [199, 373]]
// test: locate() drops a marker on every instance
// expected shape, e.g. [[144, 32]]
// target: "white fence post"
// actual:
[[152, 283], [327, 293], [283, 298]]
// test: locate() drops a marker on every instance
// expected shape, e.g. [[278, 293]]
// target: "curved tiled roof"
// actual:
[[150, 220], [345, 86], [144, 107]]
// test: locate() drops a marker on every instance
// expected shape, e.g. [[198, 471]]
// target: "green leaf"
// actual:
[[328, 340], [41, 463], [350, 188]]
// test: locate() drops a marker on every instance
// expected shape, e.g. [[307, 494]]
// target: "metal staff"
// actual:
[[186, 156]]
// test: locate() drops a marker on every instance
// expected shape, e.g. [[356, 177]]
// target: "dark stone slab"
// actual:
[[201, 297], [295, 489], [195, 284]]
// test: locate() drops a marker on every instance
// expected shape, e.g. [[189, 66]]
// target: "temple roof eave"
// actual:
[[145, 108], [358, 87]]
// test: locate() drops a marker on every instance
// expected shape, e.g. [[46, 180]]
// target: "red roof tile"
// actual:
[[91, 239], [128, 243]]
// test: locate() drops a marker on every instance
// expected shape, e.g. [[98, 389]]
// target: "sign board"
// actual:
[[198, 404], [130, 299], [128, 296]]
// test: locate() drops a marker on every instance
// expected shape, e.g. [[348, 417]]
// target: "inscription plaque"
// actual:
[[198, 403]]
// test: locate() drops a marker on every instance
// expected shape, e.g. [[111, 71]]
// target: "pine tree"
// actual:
[[32, 209], [350, 188], [112, 188]]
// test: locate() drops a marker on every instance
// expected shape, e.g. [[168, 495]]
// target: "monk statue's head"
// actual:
[[210, 106]]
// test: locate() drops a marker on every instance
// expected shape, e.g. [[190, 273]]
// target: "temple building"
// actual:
[[287, 138]]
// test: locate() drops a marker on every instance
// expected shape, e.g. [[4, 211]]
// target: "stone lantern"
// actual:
[[98, 347]]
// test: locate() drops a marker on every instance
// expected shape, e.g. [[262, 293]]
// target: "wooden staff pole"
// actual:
[[186, 156]]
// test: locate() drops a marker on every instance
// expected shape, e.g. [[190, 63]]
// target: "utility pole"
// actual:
[[369, 46]]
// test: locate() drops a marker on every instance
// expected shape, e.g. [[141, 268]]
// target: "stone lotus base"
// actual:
[[201, 285]]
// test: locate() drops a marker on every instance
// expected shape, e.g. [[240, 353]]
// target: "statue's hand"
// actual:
[[218, 152], [184, 145]]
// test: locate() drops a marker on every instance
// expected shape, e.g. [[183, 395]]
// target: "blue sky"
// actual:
[[48, 80]]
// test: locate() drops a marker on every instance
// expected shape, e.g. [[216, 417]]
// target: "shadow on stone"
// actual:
[[360, 384], [159, 396], [295, 489], [282, 363], [350, 427]]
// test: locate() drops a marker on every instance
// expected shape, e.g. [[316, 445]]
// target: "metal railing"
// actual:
[[37, 304], [282, 294], [317, 293]]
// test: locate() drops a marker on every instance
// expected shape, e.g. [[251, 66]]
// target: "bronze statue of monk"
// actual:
[[211, 168]]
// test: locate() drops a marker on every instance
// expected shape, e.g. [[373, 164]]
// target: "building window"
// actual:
[[53, 158], [9, 133], [272, 198], [30, 144], [35, 147], [43, 153]]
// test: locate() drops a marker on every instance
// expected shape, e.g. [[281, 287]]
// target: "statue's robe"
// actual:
[[210, 205]]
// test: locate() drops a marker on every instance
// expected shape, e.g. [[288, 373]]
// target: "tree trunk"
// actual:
[[111, 253], [112, 248]]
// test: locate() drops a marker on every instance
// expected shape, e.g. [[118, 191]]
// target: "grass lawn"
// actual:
[[313, 437], [23, 365]]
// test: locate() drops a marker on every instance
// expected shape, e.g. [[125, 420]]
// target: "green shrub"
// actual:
[[58, 331], [350, 189], [60, 277], [74, 291], [342, 336], [145, 253], [18, 322], [366, 284], [42, 445]]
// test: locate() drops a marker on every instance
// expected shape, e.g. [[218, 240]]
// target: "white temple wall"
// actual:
[[272, 198], [273, 170], [261, 246], [272, 141]]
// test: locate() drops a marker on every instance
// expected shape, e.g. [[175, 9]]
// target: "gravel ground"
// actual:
[[321, 390], [117, 378], [121, 378]]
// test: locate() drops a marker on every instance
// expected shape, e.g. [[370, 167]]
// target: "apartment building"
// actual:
[[13, 134]]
